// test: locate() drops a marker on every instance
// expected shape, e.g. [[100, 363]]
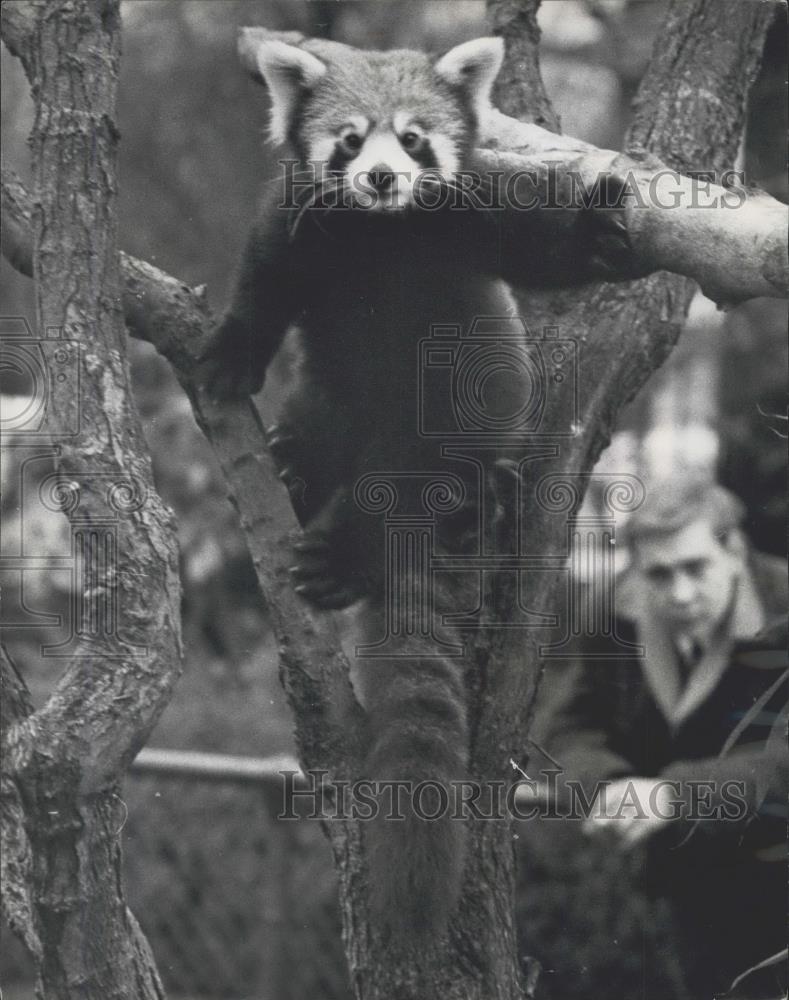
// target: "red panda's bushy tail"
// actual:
[[417, 712]]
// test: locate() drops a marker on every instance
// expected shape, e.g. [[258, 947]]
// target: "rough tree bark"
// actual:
[[702, 72], [62, 811]]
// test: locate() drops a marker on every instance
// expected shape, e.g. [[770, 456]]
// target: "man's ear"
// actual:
[[736, 546], [473, 66], [287, 71]]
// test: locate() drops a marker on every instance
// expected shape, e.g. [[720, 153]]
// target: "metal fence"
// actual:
[[235, 903]]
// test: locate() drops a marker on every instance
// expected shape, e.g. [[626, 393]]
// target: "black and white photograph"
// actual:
[[393, 465]]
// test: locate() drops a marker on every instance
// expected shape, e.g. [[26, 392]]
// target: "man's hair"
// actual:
[[673, 504]]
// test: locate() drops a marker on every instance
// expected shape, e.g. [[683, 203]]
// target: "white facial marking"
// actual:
[[445, 152], [403, 123], [383, 150], [356, 123]]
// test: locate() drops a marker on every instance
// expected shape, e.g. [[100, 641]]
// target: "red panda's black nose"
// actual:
[[382, 178]]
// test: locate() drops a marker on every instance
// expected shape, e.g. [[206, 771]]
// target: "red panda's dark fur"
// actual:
[[364, 293]]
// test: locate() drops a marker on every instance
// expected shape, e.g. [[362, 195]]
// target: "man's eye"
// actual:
[[410, 140], [352, 141], [658, 574], [696, 567]]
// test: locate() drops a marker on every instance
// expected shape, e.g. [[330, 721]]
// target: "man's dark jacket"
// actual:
[[727, 880]]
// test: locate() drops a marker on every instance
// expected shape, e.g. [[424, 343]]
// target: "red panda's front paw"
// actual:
[[316, 574], [229, 368], [613, 257], [223, 382]]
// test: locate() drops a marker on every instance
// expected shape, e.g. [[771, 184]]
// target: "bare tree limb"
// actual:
[[733, 244], [121, 455], [702, 67], [519, 90]]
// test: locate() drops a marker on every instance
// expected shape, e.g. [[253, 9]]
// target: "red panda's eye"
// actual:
[[352, 141], [409, 140]]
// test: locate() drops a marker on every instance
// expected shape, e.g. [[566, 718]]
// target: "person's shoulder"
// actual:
[[768, 650], [771, 581]]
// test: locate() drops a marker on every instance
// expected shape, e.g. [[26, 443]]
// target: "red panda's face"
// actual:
[[382, 156], [380, 123]]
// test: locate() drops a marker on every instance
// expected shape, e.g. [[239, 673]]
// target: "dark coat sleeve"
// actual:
[[581, 734], [755, 768]]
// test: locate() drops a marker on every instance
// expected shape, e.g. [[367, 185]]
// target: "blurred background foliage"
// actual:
[[192, 162]]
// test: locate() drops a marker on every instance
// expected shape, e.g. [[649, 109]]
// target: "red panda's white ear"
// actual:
[[473, 66], [287, 71]]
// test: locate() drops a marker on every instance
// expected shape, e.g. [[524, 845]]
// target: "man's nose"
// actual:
[[683, 589]]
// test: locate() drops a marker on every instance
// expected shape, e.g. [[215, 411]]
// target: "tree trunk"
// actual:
[[62, 809]]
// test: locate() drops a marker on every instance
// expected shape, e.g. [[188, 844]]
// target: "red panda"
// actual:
[[364, 270]]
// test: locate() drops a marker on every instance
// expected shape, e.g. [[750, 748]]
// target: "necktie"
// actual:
[[688, 658]]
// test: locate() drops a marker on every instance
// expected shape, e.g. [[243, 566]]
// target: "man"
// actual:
[[691, 730]]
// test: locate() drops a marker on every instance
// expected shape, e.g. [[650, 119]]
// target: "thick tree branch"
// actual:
[[732, 243], [701, 70], [519, 90]]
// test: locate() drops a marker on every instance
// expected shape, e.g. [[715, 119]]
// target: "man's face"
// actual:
[[690, 576]]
